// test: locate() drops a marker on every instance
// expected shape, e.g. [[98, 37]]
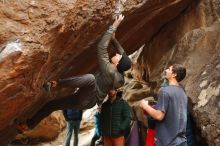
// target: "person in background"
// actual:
[[97, 133], [115, 119], [73, 118], [170, 111]]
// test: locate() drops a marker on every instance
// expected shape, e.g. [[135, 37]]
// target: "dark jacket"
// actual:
[[72, 114], [115, 118]]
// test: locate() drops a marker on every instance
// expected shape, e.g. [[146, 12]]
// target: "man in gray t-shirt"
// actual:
[[171, 110]]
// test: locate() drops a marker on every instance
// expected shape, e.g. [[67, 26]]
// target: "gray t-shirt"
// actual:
[[172, 100]]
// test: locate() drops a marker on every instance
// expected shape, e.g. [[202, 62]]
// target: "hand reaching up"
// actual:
[[117, 21]]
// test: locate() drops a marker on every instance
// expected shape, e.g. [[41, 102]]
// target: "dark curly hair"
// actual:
[[180, 72]]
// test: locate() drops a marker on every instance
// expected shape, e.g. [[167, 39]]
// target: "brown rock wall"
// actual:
[[194, 38], [55, 38]]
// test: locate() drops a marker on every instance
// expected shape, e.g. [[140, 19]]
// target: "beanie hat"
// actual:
[[124, 64]]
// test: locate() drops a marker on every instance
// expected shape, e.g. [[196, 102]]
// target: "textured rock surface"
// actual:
[[45, 131], [56, 36], [193, 38]]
